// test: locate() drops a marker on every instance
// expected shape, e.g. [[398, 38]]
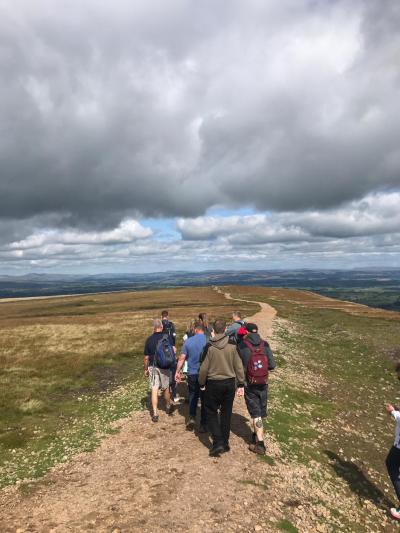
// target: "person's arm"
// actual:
[[270, 356], [146, 359], [391, 410], [239, 370], [181, 362], [146, 365]]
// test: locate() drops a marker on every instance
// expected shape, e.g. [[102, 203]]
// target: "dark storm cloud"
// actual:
[[155, 109]]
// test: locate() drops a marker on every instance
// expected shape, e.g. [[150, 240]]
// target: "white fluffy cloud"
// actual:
[[360, 233], [376, 214]]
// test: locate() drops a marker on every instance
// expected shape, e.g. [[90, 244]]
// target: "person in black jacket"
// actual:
[[256, 395]]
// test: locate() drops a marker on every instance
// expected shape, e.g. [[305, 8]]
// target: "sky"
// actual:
[[183, 135]]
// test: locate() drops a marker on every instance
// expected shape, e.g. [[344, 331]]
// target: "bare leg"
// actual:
[[258, 428], [167, 397], [154, 400]]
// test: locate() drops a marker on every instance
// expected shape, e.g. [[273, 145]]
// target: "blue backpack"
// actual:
[[165, 355]]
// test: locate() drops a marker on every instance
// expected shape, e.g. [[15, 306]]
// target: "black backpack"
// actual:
[[165, 355], [169, 329]]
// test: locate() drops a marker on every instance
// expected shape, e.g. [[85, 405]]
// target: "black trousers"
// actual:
[[219, 395], [393, 468]]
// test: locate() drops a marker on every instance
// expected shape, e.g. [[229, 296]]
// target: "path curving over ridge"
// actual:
[[263, 318]]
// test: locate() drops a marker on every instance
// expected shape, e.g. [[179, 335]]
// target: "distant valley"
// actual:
[[377, 288]]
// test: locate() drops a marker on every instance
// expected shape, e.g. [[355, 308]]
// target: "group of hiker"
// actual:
[[218, 361]]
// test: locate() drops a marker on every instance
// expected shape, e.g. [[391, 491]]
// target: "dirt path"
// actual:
[[264, 318], [151, 478]]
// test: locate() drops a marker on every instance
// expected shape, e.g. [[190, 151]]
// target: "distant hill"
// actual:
[[377, 288]]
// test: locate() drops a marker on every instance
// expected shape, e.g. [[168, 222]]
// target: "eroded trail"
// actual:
[[152, 477]]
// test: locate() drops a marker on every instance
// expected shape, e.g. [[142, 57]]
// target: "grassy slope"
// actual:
[[69, 367], [327, 403]]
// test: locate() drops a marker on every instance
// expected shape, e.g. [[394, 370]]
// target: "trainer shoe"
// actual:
[[176, 399], [227, 448], [216, 450], [170, 409], [154, 418], [395, 512], [203, 429], [258, 448], [190, 424]]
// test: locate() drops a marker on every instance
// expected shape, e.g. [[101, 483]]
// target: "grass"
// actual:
[[335, 372], [286, 525], [70, 367]]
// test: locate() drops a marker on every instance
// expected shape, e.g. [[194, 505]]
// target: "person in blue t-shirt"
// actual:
[[191, 352]]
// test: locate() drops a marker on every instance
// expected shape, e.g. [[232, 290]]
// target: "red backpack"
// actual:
[[257, 367]]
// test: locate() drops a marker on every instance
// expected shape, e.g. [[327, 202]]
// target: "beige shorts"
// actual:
[[159, 377]]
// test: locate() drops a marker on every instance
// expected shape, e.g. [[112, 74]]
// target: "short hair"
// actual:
[[164, 313], [237, 313], [397, 366], [157, 324], [219, 325], [199, 325]]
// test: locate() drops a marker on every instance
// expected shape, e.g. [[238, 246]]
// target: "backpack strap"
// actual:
[[204, 352]]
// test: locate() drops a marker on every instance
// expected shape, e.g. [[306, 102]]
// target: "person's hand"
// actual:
[[240, 392], [146, 372], [178, 377], [389, 407], [174, 347]]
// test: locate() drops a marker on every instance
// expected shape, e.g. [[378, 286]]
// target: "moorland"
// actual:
[[374, 287], [71, 370]]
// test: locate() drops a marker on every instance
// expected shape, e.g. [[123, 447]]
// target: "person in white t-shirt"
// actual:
[[393, 458]]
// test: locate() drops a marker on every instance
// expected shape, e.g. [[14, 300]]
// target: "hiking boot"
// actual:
[[170, 409], [227, 448], [154, 418], [203, 429], [190, 424], [258, 448], [253, 438], [216, 450], [395, 512]]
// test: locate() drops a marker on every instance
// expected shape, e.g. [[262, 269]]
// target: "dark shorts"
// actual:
[[256, 400]]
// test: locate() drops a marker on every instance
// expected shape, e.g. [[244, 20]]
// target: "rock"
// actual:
[[321, 528], [257, 528]]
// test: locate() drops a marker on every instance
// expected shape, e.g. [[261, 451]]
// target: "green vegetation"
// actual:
[[327, 398], [286, 525], [71, 367], [384, 297]]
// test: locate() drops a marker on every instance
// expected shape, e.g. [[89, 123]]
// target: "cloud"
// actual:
[[111, 113], [376, 214], [365, 232], [128, 231], [137, 109]]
